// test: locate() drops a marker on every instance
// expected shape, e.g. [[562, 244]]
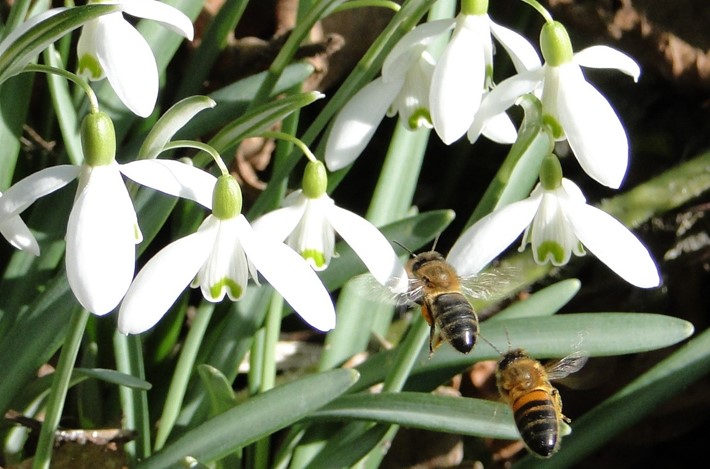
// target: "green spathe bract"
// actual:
[[98, 139]]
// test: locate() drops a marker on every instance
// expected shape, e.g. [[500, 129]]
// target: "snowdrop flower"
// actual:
[[110, 47], [402, 88], [557, 222], [573, 108], [308, 223], [102, 230], [219, 258], [464, 73]]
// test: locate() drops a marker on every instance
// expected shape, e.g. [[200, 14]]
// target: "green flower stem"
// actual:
[[291, 139], [93, 101], [60, 385], [199, 146], [272, 328], [183, 372], [540, 9], [394, 6], [128, 351], [288, 50]]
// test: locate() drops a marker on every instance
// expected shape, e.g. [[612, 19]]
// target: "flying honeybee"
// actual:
[[525, 384]]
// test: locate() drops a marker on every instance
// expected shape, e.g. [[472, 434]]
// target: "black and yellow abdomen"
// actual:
[[455, 319], [537, 420]]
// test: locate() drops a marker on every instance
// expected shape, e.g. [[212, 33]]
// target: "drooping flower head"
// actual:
[[309, 220], [220, 258], [571, 106], [110, 47], [464, 73], [557, 222]]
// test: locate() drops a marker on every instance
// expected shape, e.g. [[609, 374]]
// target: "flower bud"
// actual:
[[555, 44], [226, 198], [98, 139], [315, 180]]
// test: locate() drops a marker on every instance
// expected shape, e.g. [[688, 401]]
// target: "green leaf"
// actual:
[[596, 334], [22, 45], [450, 414], [545, 302], [114, 377], [259, 119], [246, 423], [170, 122], [218, 389]]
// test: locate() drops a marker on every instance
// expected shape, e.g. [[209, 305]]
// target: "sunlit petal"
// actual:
[[164, 277], [128, 62], [369, 244], [593, 129], [19, 235], [458, 80], [226, 270], [500, 129], [613, 244], [174, 178], [356, 123], [23, 193], [163, 13], [280, 223], [502, 97], [101, 238], [606, 57], [408, 49], [490, 235], [291, 276], [521, 52]]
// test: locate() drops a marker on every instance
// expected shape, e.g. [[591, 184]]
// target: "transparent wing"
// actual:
[[492, 283], [367, 286], [567, 365]]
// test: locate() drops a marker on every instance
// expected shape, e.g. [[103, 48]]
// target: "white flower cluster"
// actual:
[[456, 95]]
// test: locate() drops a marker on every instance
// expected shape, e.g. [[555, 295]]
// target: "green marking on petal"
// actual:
[[235, 290], [316, 257], [419, 118], [90, 67], [551, 250]]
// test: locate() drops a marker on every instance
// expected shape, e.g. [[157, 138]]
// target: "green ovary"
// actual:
[[235, 290]]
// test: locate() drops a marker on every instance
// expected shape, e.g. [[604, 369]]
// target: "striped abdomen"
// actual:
[[538, 422], [456, 320]]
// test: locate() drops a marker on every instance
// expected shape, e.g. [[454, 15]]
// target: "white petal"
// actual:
[[226, 271], [356, 123], [408, 49], [521, 52], [613, 244], [607, 57], [101, 238], [369, 244], [291, 276], [128, 62], [174, 178], [593, 129], [458, 80], [163, 13], [502, 97], [500, 129], [161, 280], [19, 235], [280, 223], [24, 192], [490, 235]]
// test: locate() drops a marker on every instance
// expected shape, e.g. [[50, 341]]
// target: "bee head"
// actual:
[[420, 260], [511, 356]]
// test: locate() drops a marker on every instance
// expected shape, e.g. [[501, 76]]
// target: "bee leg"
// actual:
[[557, 402]]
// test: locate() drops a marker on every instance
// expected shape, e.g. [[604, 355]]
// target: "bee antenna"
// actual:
[[404, 247], [491, 344], [436, 241]]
